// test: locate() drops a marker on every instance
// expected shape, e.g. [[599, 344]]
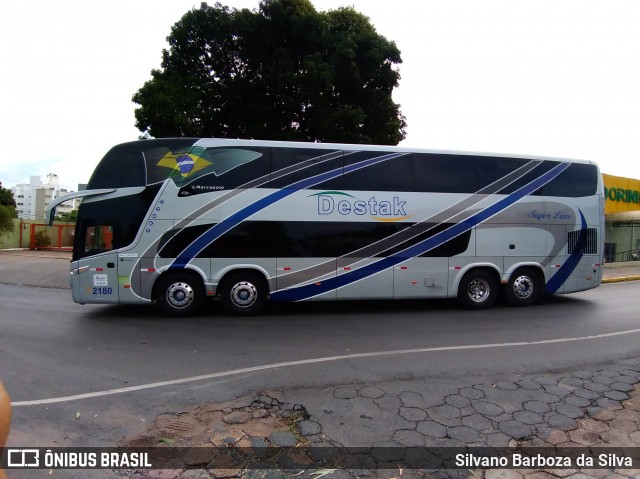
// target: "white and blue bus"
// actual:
[[175, 221]]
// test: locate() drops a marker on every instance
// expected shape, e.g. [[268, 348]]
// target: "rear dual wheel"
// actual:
[[524, 287], [478, 289], [244, 293]]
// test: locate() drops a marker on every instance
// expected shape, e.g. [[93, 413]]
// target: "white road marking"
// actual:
[[301, 362]]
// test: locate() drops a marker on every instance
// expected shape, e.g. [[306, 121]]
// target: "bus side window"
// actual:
[[439, 173], [291, 165], [395, 174]]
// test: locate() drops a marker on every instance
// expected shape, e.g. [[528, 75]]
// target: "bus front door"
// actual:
[[97, 273]]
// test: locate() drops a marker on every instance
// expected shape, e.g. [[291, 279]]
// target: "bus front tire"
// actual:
[[524, 287], [244, 293], [478, 290], [180, 294]]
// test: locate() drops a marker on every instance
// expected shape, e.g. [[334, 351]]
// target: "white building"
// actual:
[[33, 198]]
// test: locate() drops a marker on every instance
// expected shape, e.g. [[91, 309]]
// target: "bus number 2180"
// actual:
[[102, 290]]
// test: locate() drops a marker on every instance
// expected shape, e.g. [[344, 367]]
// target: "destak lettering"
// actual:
[[385, 209]]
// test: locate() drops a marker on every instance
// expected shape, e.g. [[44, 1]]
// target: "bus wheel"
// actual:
[[244, 293], [478, 290], [180, 294], [524, 287]]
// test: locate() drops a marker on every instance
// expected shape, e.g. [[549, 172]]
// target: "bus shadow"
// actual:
[[434, 308]]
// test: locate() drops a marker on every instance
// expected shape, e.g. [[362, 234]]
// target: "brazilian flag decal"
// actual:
[[185, 163]]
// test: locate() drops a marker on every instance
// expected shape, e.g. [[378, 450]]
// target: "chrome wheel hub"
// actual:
[[180, 295], [478, 290], [244, 294], [523, 287]]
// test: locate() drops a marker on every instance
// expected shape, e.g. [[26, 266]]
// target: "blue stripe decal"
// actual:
[[230, 222], [303, 292], [558, 279]]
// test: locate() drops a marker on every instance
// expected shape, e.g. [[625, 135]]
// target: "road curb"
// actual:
[[621, 279]]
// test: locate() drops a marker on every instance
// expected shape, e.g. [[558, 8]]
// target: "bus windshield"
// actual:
[[143, 163], [153, 161]]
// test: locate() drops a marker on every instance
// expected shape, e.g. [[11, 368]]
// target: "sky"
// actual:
[[534, 77]]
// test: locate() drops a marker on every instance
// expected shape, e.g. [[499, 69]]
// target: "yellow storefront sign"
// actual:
[[621, 194]]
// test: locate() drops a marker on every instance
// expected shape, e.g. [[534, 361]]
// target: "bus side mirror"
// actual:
[[52, 215]]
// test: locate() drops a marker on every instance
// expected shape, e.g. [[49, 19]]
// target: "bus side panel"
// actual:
[[202, 266], [294, 272], [587, 275], [376, 286], [126, 274], [511, 240], [421, 278], [557, 251], [98, 283]]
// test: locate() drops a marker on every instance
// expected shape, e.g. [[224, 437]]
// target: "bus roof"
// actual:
[[216, 142]]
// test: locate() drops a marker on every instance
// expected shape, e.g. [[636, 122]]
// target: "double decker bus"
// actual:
[[177, 221]]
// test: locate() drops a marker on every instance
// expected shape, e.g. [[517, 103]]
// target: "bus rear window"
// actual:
[[576, 181]]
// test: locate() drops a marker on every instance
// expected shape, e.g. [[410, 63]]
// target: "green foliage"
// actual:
[[42, 239], [6, 198], [7, 213], [284, 72], [69, 217], [7, 210]]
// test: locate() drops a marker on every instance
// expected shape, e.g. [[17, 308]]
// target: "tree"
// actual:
[[283, 72], [68, 216], [7, 210], [6, 197]]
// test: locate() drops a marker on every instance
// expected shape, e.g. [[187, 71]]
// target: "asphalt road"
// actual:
[[52, 350]]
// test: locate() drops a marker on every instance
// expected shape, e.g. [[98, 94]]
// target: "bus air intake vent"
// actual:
[[590, 245]]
